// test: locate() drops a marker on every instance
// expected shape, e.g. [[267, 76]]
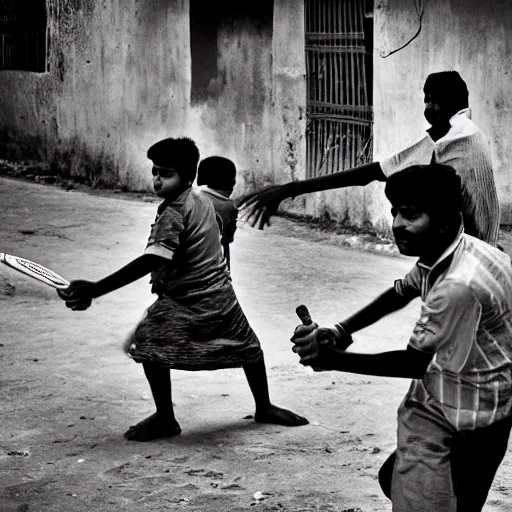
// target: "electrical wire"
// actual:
[[418, 5]]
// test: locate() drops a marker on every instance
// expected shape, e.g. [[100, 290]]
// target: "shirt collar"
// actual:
[[466, 112], [176, 202], [455, 120], [448, 252], [458, 120], [212, 191]]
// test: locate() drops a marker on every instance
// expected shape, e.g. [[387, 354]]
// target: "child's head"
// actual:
[[174, 166], [218, 173]]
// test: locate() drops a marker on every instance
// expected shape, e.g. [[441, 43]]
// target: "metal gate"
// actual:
[[339, 111]]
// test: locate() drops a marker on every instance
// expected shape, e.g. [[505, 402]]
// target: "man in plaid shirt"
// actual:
[[455, 421]]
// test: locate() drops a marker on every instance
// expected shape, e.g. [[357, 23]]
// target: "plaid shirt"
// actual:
[[466, 323], [466, 149]]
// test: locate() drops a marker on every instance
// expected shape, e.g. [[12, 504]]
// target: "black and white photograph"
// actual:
[[255, 255]]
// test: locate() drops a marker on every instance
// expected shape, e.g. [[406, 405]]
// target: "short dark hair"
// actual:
[[449, 89], [434, 189], [216, 172], [181, 154]]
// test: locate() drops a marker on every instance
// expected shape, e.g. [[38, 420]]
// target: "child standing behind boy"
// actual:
[[196, 323], [216, 176]]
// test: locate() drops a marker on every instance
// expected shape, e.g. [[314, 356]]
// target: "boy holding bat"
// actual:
[[455, 421], [196, 323]]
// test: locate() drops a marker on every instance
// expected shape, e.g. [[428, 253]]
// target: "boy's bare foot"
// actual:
[[280, 416], [153, 427]]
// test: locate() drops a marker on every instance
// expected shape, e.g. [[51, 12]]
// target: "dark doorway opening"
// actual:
[[204, 24], [23, 35]]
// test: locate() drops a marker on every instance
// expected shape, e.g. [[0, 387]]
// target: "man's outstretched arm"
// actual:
[[257, 208]]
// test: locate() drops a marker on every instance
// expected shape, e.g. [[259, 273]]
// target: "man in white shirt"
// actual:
[[453, 139]]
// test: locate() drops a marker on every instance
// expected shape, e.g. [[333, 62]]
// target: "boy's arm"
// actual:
[[257, 208], [131, 272], [79, 294], [229, 230]]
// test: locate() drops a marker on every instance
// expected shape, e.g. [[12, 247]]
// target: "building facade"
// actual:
[[285, 88]]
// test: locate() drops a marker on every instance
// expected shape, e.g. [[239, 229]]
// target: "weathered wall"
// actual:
[[289, 96], [235, 121], [470, 36], [255, 114], [289, 103], [120, 79]]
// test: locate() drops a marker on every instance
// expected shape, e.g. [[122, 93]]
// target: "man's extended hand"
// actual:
[[257, 208], [78, 295]]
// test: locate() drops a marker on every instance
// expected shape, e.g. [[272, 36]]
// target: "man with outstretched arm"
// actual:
[[455, 421], [453, 140]]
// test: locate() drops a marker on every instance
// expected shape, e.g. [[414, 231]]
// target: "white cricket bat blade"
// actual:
[[34, 270]]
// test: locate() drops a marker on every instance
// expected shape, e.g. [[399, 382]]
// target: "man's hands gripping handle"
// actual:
[[313, 343]]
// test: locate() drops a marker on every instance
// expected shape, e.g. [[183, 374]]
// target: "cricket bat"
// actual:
[[34, 270]]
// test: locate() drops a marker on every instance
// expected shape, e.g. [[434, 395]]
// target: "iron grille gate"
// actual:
[[339, 112]]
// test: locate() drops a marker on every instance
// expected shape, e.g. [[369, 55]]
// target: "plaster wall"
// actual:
[[119, 79]]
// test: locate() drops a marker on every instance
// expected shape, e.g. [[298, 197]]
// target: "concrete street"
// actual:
[[69, 392]]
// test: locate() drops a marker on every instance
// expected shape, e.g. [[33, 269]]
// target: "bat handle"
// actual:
[[325, 338], [303, 313]]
